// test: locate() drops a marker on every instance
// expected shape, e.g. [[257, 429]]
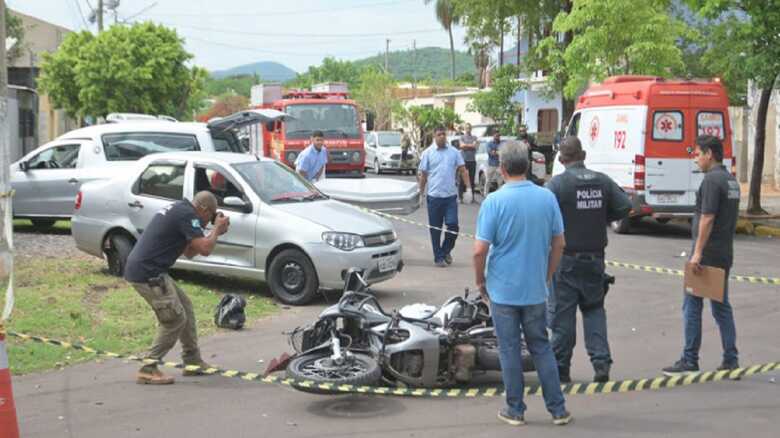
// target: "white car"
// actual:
[[383, 152], [283, 230], [538, 166], [47, 179]]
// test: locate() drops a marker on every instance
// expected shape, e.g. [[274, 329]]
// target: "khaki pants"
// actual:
[[175, 317], [493, 176]]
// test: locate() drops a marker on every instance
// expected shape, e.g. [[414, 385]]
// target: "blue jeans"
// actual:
[[443, 211], [510, 323], [579, 281], [724, 316]]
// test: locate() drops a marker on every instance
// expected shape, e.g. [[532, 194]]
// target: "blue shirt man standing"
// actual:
[[311, 162], [438, 167], [519, 244]]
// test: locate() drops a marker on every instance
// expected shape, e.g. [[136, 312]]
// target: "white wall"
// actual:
[[532, 101]]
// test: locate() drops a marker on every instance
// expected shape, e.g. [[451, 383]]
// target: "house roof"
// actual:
[[39, 36]]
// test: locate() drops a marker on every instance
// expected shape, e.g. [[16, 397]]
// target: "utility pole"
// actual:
[[414, 63], [387, 54], [100, 15], [6, 248]]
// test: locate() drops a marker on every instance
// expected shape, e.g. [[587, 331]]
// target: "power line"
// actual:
[[81, 14], [274, 14], [271, 52], [299, 35]]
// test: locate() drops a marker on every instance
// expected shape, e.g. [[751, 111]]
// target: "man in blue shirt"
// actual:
[[311, 162], [519, 245], [438, 167], [493, 173]]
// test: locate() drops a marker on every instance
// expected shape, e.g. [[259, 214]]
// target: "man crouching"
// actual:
[[175, 231]]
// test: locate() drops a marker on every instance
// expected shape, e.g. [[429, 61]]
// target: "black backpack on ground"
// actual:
[[230, 312]]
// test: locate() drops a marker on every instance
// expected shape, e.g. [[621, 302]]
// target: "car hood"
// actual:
[[337, 216], [386, 150]]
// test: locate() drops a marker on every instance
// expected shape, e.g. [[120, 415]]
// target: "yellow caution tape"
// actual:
[[653, 269], [628, 385]]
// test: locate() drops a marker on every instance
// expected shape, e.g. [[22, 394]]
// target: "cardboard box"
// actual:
[[709, 283]]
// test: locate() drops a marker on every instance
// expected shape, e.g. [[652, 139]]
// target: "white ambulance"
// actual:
[[641, 131]]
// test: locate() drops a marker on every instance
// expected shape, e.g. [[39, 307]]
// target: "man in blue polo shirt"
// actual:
[[311, 162], [519, 245], [438, 168]]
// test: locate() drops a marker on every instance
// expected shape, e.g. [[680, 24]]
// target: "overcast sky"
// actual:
[[297, 33]]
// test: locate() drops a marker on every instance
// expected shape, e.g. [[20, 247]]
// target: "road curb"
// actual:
[[766, 231]]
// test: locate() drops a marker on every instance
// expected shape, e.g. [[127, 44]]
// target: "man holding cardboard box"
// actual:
[[714, 224]]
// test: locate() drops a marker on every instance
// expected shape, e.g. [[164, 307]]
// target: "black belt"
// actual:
[[587, 255]]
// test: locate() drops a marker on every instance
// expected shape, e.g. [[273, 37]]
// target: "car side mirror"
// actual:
[[24, 166], [238, 203]]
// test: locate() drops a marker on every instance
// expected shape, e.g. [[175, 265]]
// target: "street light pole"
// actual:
[[6, 254], [99, 15], [387, 51]]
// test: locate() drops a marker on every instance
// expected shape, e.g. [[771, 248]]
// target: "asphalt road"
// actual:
[[645, 329]]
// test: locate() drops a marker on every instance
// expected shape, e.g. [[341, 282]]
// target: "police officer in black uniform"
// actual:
[[589, 201]]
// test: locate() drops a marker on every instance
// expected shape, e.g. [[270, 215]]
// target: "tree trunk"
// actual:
[[501, 42], [567, 104], [452, 54], [756, 175], [519, 40]]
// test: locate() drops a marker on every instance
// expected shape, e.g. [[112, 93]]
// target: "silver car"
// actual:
[[283, 230], [383, 152], [47, 179], [538, 166]]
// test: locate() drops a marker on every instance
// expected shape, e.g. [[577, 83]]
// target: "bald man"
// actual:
[[175, 231]]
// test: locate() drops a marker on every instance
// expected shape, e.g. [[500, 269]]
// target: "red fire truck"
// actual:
[[326, 108]]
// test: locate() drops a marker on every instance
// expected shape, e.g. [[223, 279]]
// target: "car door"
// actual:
[[371, 145], [157, 186], [236, 248], [48, 186]]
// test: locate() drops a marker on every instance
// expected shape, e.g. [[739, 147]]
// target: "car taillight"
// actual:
[[639, 172], [734, 166], [79, 198]]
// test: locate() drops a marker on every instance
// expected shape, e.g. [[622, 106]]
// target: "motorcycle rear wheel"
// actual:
[[357, 369]]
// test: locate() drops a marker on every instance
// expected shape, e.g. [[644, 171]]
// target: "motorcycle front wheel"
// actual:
[[356, 369]]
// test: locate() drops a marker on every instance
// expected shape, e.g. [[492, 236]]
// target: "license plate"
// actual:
[[668, 198], [387, 264]]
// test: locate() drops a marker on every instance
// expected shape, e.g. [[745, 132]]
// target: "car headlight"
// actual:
[[355, 157], [291, 156], [343, 241]]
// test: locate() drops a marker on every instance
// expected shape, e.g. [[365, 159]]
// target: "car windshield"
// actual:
[[388, 139], [274, 182], [336, 121]]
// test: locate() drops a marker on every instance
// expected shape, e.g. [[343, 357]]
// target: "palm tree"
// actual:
[[445, 14]]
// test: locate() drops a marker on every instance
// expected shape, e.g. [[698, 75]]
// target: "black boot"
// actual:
[[601, 372]]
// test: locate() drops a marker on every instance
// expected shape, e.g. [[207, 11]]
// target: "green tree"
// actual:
[[422, 120], [241, 85], [14, 28], [752, 30], [497, 102], [374, 93], [612, 37], [140, 68], [447, 17], [331, 70]]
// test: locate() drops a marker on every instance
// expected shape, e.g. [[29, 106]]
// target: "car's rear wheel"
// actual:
[[116, 254], [292, 278], [43, 223]]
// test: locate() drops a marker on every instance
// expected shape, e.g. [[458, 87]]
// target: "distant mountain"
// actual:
[[268, 71], [426, 63]]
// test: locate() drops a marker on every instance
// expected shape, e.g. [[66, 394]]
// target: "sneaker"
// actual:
[[448, 259], [199, 372], [152, 376], [601, 373], [681, 368], [563, 419], [441, 264], [564, 375], [729, 366], [514, 420]]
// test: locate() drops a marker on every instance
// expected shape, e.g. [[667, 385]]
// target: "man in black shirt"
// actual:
[[714, 224], [589, 201], [175, 231]]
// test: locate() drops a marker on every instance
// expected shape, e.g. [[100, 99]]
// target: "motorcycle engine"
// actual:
[[409, 363]]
